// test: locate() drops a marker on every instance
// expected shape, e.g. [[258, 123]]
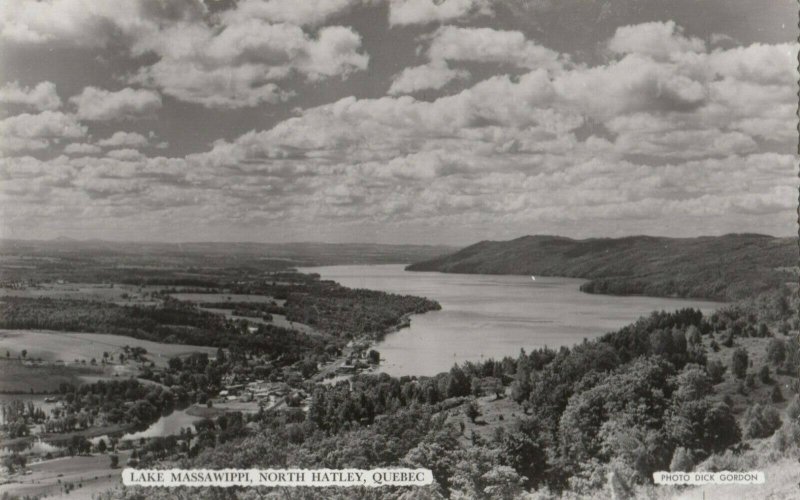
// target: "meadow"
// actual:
[[67, 347]]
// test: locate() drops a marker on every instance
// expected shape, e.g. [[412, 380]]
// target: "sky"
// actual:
[[396, 121]]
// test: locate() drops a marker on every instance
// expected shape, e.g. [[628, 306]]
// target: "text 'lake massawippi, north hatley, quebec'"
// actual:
[[277, 477]]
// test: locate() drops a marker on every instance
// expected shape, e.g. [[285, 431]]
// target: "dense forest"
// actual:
[[637, 400], [340, 312], [729, 267], [172, 322]]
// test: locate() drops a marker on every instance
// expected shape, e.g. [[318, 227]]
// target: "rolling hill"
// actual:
[[726, 267]]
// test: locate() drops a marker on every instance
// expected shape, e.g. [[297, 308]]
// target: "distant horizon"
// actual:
[[376, 243]]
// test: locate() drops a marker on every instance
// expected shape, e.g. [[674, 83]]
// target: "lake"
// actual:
[[489, 316], [167, 425]]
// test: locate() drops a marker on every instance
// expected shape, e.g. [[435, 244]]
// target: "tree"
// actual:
[[494, 385], [458, 383], [760, 421], [101, 446], [692, 383], [374, 357], [728, 342], [793, 411], [701, 424], [693, 336], [682, 460], [476, 388], [24, 353], [478, 475], [525, 451], [716, 370], [764, 375], [114, 461], [14, 461], [175, 364], [472, 411], [739, 363], [776, 351], [776, 395]]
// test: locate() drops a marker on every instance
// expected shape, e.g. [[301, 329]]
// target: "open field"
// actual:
[[222, 407], [16, 376], [116, 293], [757, 353], [93, 474], [494, 413], [277, 320], [54, 346], [200, 298]]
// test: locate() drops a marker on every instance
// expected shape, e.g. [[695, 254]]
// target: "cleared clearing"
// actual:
[[201, 298], [66, 347], [93, 473], [118, 294], [16, 376]]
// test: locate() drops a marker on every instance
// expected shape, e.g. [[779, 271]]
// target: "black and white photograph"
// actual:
[[399, 249]]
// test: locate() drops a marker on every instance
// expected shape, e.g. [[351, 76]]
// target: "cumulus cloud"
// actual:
[[433, 75], [40, 97], [122, 138], [97, 104], [86, 23], [308, 12], [656, 39], [82, 148], [663, 131], [232, 58], [403, 12], [125, 154], [44, 125], [452, 43], [240, 65], [33, 132]]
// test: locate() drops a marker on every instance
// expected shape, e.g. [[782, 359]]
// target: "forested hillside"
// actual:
[[725, 267], [674, 391]]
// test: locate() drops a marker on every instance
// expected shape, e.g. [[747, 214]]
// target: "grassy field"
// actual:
[[117, 293], [93, 473], [757, 353], [494, 413], [67, 347], [277, 320], [16, 376], [200, 298]]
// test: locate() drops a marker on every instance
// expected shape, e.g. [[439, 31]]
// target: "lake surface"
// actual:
[[488, 316], [169, 425]]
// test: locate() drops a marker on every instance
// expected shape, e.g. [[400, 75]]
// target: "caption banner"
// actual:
[[695, 478], [277, 477]]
